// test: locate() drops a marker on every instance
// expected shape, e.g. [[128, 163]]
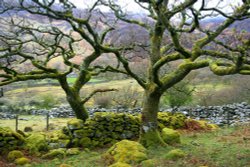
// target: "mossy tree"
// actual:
[[174, 21], [29, 47], [190, 46]]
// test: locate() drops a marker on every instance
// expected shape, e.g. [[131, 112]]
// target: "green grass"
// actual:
[[117, 84], [223, 148], [93, 80], [38, 123], [85, 159], [26, 93]]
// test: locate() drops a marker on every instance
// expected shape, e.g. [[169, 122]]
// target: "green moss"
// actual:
[[213, 126], [75, 142], [13, 155], [119, 129], [22, 161], [10, 140], [174, 121], [36, 143], [80, 133], [75, 124], [73, 151], [170, 136], [85, 142], [128, 152], [64, 143], [175, 154], [203, 124], [148, 163], [120, 164], [95, 143], [152, 139], [56, 153]]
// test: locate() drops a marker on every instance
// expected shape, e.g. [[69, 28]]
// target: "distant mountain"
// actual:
[[239, 25]]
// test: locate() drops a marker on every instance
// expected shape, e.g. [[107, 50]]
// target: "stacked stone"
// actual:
[[9, 139], [7, 116], [109, 127], [103, 128], [171, 120], [58, 139], [220, 115]]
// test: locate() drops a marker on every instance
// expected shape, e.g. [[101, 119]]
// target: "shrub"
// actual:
[[128, 97], [47, 101], [178, 95], [103, 101], [194, 125]]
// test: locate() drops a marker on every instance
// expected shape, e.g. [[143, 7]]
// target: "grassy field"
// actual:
[[37, 123], [27, 94], [223, 148], [57, 90], [73, 79]]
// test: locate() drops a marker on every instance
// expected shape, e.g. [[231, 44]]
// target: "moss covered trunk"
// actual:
[[150, 135], [74, 101]]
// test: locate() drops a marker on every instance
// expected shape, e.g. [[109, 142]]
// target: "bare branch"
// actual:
[[95, 92]]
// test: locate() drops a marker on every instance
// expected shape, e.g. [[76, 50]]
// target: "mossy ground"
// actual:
[[222, 148]]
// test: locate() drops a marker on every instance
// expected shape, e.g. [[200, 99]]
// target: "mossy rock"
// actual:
[[204, 124], [175, 154], [213, 126], [9, 140], [27, 129], [75, 124], [80, 133], [120, 164], [73, 151], [85, 142], [36, 142], [126, 151], [174, 121], [22, 161], [56, 135], [13, 155], [170, 136], [7, 132], [56, 153], [64, 143]]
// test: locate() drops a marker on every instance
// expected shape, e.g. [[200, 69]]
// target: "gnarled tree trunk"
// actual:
[[150, 135], [74, 101]]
